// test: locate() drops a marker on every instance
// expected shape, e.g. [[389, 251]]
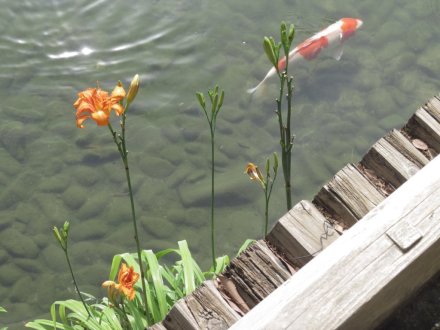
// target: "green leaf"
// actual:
[[221, 263], [111, 318], [158, 286], [165, 252], [188, 271], [245, 245], [137, 321], [2, 310], [115, 266], [175, 291], [45, 325]]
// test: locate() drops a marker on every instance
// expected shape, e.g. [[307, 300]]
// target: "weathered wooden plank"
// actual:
[[433, 108], [180, 318], [203, 309], [423, 126], [349, 195], [302, 233], [389, 163], [406, 148], [157, 326], [359, 279], [209, 308], [257, 272]]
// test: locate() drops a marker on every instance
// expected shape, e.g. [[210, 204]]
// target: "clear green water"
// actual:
[[51, 171]]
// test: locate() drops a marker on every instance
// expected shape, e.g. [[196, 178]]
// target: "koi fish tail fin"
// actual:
[[253, 90]]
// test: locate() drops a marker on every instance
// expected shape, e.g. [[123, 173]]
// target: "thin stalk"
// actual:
[[285, 142], [120, 143], [76, 285], [289, 144], [266, 213], [212, 200]]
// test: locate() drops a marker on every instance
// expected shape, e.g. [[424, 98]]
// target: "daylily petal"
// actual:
[[108, 284], [127, 277], [254, 173], [100, 117], [118, 92], [119, 109]]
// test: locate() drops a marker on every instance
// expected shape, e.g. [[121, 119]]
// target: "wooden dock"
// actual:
[[368, 240]]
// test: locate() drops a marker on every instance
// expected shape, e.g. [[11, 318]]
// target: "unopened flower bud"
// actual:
[[133, 89]]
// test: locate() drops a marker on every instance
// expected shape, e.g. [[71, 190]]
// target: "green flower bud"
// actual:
[[201, 99], [291, 33], [269, 50], [220, 103], [133, 89]]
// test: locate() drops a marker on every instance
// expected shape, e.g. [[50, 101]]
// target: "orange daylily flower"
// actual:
[[127, 277], [96, 104], [254, 173]]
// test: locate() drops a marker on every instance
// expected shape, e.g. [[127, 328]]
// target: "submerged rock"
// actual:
[[18, 244]]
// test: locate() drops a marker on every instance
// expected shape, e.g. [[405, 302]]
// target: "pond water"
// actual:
[[50, 171]]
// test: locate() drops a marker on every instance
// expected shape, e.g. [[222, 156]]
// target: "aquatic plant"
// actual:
[[131, 304], [211, 116], [267, 183], [273, 52], [96, 104], [123, 310]]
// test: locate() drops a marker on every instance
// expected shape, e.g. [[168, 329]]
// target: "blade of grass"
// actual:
[[188, 269], [245, 245], [137, 321], [45, 325], [221, 263], [168, 275], [158, 285], [111, 318]]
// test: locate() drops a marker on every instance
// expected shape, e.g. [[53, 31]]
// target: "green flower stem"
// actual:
[[285, 140], [74, 282], [267, 187], [120, 143], [266, 213], [272, 51], [212, 199], [216, 104]]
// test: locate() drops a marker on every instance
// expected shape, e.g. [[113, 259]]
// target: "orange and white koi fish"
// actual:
[[334, 34]]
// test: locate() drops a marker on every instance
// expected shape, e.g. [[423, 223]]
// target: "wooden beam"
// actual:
[[362, 277], [389, 163], [157, 326], [433, 108], [257, 272], [349, 195], [204, 309], [302, 233], [424, 127], [406, 148]]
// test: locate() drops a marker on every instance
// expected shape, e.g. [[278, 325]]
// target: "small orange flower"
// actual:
[[254, 173], [127, 277], [96, 104]]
